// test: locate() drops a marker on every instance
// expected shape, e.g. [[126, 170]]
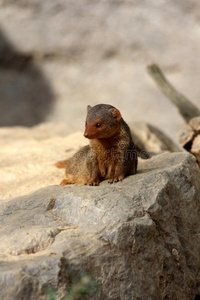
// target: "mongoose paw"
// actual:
[[93, 183], [64, 182], [116, 179]]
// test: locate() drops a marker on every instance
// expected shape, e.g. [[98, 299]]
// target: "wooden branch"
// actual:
[[186, 108]]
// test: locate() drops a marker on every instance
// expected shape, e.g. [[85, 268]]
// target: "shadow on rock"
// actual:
[[26, 97]]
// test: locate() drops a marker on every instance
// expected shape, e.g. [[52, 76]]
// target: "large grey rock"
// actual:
[[140, 238]]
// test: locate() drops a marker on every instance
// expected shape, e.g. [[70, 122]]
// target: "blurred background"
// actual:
[[56, 57]]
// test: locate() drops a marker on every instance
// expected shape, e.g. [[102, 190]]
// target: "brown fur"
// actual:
[[111, 153]]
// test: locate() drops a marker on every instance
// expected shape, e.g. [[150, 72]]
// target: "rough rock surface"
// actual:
[[90, 51], [140, 238]]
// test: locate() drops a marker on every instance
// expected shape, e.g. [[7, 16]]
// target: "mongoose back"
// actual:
[[111, 153]]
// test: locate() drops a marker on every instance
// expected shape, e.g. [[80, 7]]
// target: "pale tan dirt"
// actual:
[[28, 157]]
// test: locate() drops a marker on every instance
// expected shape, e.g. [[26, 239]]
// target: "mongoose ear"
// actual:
[[116, 114], [88, 108]]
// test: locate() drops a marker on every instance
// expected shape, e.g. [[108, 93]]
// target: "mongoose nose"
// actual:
[[85, 134]]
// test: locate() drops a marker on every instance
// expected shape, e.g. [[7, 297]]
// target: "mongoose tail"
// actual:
[[62, 164]]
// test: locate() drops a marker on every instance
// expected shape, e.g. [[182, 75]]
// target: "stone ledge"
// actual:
[[139, 238]]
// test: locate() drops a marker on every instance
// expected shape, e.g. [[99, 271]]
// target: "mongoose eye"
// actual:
[[98, 125]]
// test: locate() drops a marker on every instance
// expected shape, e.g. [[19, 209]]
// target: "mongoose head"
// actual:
[[102, 121]]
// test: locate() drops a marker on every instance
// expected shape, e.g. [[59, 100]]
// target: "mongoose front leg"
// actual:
[[94, 179], [118, 173]]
